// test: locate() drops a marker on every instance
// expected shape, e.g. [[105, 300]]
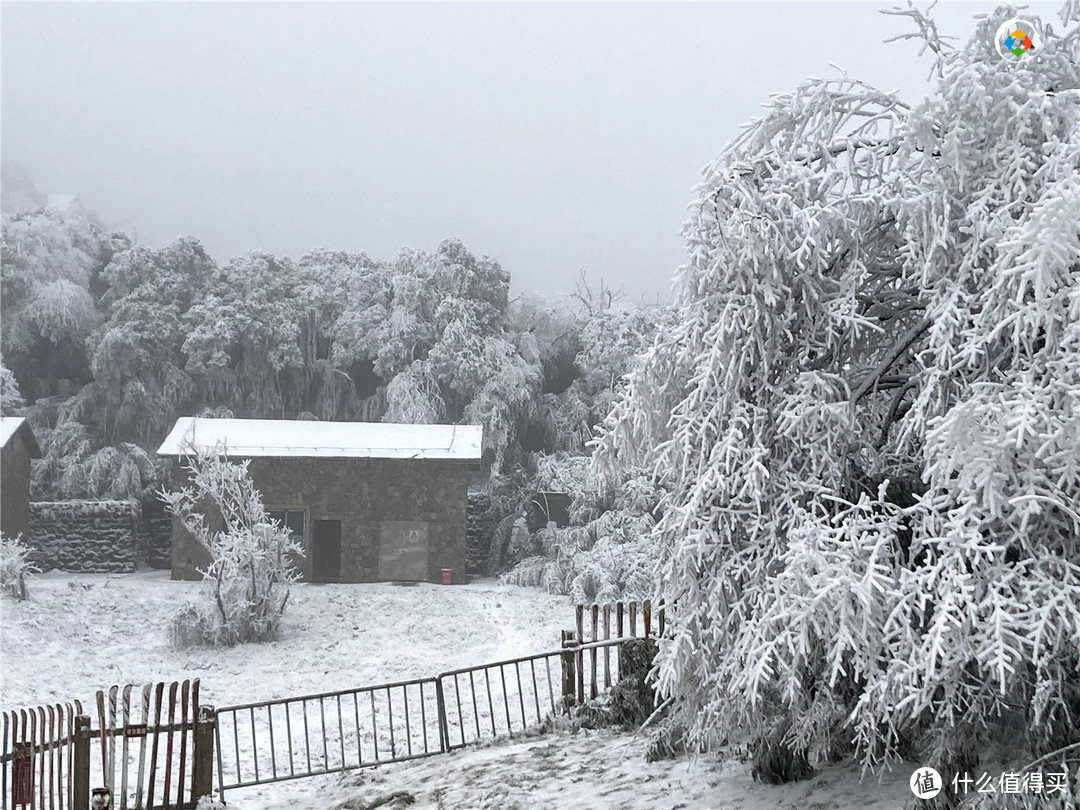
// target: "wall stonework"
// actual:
[[87, 537], [362, 494], [153, 533], [480, 527], [15, 489]]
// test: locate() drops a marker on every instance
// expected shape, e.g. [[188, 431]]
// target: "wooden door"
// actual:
[[326, 551]]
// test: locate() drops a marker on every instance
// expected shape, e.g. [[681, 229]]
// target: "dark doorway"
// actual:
[[326, 551]]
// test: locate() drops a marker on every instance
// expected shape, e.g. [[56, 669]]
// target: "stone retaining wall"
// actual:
[[88, 537]]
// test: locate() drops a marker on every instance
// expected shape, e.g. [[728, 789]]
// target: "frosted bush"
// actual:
[[610, 556], [247, 583], [15, 565]]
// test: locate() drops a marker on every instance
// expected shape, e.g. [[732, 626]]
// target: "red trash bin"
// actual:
[[447, 576]]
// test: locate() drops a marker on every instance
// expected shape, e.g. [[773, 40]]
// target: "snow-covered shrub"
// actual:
[[15, 565], [247, 583], [610, 555], [867, 421], [631, 700], [610, 558]]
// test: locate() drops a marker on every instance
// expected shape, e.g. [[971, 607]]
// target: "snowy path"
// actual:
[[78, 633]]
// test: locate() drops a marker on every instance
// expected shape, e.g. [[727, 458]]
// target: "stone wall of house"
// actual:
[[367, 496], [15, 492], [480, 527], [88, 537], [153, 534]]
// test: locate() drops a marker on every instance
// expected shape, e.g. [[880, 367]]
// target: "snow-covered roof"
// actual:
[[250, 438], [10, 425]]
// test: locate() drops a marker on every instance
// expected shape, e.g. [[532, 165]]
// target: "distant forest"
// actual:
[[106, 342]]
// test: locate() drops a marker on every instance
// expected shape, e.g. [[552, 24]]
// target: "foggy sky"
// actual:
[[553, 137]]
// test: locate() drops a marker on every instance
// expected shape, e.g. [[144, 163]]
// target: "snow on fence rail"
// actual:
[[155, 747]]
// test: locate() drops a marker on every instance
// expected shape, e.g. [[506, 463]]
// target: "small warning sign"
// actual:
[[135, 730], [414, 536]]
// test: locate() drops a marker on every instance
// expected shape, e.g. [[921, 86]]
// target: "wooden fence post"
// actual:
[[579, 616], [595, 611], [607, 650], [202, 771], [569, 677], [80, 787]]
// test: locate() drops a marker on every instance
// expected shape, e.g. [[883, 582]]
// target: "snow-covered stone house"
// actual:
[[368, 501], [17, 446]]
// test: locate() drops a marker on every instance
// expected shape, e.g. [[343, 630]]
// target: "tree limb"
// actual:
[[891, 357]]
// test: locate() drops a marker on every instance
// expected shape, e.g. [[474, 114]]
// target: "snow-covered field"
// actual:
[[78, 633]]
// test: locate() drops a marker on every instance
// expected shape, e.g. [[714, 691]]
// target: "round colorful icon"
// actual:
[[925, 783], [1017, 40]]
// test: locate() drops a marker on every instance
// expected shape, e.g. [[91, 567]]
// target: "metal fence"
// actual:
[[148, 734], [500, 699], [330, 732], [275, 740]]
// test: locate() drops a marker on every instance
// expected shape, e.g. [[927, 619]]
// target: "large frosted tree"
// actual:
[[867, 422]]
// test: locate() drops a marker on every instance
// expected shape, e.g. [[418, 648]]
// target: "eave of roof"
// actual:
[[280, 438], [10, 426]]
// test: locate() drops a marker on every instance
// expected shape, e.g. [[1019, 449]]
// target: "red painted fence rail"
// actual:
[[626, 626]]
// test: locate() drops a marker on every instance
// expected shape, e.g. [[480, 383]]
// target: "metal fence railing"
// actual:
[[276, 740], [500, 699], [330, 732], [149, 735]]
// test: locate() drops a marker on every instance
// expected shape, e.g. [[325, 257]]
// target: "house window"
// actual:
[[291, 519]]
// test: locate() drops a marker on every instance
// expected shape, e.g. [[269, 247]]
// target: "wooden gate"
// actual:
[[38, 756], [153, 746], [149, 745]]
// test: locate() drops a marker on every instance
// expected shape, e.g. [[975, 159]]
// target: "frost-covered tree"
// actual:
[[11, 398], [136, 353], [248, 580], [50, 277], [867, 422]]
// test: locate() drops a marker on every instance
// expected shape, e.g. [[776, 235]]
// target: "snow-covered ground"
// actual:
[[78, 633]]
